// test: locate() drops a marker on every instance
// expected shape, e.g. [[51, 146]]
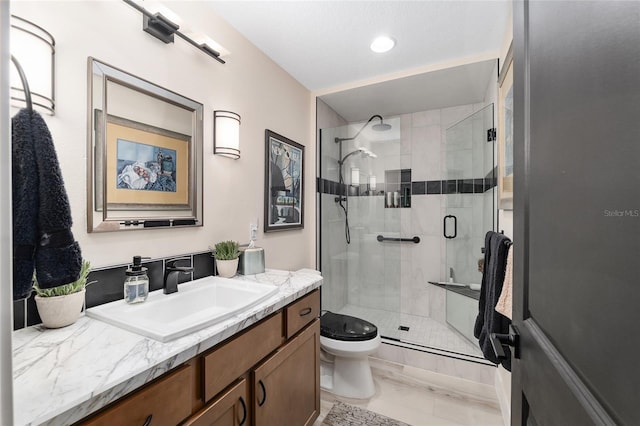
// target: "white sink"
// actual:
[[196, 305]]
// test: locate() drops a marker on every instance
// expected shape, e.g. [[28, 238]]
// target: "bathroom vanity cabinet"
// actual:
[[268, 374]]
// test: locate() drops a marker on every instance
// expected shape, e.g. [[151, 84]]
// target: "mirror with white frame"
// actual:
[[144, 154]]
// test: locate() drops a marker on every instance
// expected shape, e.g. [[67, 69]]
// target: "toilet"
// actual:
[[346, 343]]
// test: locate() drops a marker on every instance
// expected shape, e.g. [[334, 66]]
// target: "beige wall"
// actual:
[[249, 84]]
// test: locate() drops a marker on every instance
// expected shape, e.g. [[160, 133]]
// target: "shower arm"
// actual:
[[336, 140]]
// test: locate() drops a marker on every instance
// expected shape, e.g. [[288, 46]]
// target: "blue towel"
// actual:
[[42, 215], [489, 321]]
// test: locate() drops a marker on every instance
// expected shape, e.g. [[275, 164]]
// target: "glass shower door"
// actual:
[[361, 274], [469, 213]]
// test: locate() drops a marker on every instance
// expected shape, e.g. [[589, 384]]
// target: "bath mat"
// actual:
[[342, 414]]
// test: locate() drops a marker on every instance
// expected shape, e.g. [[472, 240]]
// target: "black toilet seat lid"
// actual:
[[346, 328]]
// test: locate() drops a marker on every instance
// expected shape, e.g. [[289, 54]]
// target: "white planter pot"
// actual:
[[227, 268], [60, 311]]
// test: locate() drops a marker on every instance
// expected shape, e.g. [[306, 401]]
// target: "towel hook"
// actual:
[[25, 84]]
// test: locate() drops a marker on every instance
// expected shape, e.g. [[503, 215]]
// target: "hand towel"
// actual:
[[42, 235], [505, 302], [488, 320], [58, 257], [24, 194]]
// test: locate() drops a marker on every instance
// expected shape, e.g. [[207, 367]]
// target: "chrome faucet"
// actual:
[[171, 272]]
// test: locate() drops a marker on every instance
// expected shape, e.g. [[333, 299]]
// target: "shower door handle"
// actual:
[[455, 226]]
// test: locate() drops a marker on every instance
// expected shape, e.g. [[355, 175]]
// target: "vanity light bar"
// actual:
[[159, 27], [164, 29]]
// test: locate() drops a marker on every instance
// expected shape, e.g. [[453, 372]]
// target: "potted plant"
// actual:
[[61, 306], [226, 254]]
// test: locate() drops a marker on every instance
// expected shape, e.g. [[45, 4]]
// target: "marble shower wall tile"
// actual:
[[406, 128], [452, 115], [425, 156], [426, 118], [426, 216]]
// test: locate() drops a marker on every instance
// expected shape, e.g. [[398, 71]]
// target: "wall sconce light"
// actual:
[[34, 48], [163, 28], [355, 176], [226, 134]]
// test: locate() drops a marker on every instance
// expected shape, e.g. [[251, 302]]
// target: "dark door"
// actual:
[[577, 212]]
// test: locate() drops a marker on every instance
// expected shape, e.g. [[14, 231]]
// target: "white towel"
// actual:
[[505, 302]]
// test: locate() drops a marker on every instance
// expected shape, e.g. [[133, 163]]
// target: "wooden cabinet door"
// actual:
[[287, 385], [234, 358], [230, 409]]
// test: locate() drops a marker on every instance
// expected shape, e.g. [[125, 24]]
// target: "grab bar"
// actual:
[[413, 240]]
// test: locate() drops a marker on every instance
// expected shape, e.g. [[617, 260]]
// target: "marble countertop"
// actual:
[[62, 375]]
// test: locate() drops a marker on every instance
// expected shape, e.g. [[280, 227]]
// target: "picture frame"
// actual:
[[505, 134], [284, 183], [155, 131], [144, 167]]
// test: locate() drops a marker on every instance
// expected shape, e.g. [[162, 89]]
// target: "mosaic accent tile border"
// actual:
[[429, 187]]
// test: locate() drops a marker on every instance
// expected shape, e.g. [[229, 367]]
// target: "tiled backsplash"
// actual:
[[109, 286]]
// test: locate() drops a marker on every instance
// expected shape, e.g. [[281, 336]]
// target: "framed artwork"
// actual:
[[505, 135], [144, 153], [147, 168], [284, 184]]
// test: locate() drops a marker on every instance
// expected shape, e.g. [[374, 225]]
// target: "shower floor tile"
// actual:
[[422, 331]]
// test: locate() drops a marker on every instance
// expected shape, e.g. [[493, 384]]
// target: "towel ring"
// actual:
[[25, 83]]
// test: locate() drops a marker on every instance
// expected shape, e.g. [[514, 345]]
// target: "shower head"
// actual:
[[368, 153], [380, 127], [363, 151]]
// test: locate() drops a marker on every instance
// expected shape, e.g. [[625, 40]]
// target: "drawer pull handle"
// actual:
[[244, 412], [147, 422], [305, 311], [264, 393]]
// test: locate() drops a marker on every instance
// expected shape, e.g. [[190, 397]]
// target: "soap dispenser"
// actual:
[[136, 284]]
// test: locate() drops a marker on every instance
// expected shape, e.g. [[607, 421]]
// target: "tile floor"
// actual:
[[422, 330], [414, 401]]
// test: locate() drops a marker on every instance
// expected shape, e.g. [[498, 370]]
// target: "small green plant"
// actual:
[[226, 250], [65, 289]]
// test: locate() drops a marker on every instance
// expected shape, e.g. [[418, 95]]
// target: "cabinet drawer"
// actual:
[[302, 312], [231, 408], [228, 362], [166, 401]]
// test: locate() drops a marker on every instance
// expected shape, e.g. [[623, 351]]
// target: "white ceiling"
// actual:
[[324, 44], [462, 85]]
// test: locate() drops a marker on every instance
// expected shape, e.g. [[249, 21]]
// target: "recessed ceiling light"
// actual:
[[382, 44]]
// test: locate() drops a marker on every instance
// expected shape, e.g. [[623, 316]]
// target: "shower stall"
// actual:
[[404, 203]]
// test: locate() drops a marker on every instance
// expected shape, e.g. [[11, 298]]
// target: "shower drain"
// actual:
[[403, 328]]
